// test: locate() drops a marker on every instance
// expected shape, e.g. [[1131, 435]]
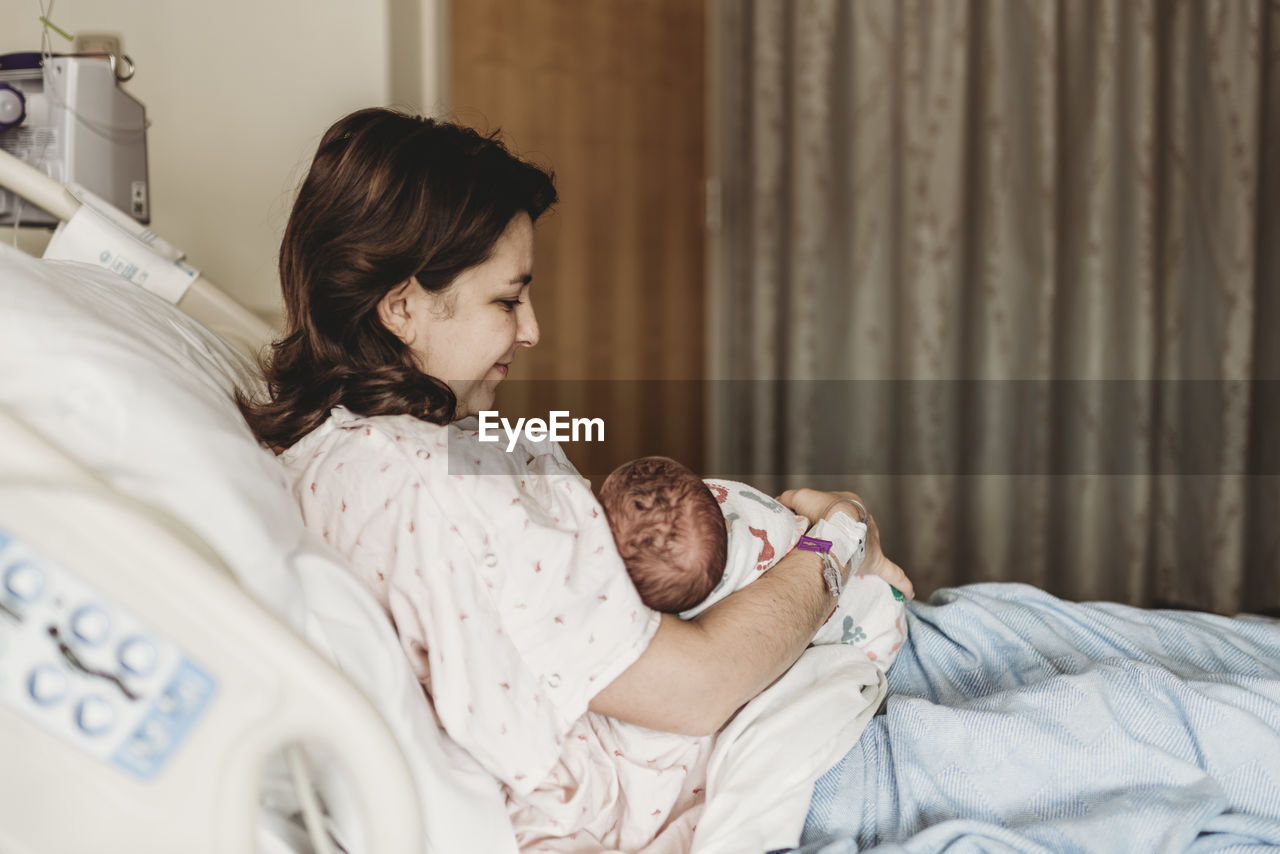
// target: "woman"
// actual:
[[406, 268]]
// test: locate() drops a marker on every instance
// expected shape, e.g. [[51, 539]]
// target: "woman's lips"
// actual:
[[502, 369]]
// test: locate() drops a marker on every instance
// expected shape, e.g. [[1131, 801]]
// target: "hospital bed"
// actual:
[[184, 667]]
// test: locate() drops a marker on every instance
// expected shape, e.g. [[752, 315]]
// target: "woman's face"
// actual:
[[468, 334]]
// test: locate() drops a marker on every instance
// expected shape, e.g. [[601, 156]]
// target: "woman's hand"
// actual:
[[811, 503]]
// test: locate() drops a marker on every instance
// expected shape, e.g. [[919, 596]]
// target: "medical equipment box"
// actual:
[[68, 117]]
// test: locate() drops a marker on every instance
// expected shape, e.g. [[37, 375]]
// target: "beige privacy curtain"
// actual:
[[1011, 270]]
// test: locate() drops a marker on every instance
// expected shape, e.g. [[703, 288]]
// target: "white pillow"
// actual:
[[141, 394]]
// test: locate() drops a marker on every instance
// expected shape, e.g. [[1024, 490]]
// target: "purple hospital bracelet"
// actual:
[[830, 572], [813, 544]]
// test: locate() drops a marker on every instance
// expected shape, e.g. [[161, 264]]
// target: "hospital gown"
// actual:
[[510, 600]]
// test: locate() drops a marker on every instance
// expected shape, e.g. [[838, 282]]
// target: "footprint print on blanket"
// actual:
[[852, 634], [763, 500], [766, 548]]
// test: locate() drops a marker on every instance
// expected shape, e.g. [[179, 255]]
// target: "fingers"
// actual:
[[788, 500], [897, 578], [891, 573], [806, 502], [811, 503], [877, 563]]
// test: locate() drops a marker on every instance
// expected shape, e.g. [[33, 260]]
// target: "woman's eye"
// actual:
[[509, 304]]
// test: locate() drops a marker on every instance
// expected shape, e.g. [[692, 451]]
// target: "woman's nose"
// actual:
[[527, 331]]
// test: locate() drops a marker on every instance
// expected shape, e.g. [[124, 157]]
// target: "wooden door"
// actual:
[[609, 94]]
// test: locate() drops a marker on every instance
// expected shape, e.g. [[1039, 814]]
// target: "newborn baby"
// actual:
[[687, 543]]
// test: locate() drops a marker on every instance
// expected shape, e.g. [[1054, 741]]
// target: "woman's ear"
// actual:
[[395, 313]]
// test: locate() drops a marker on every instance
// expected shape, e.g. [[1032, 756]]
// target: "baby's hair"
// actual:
[[669, 531]]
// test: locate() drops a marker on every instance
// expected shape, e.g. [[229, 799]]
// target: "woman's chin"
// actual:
[[481, 400]]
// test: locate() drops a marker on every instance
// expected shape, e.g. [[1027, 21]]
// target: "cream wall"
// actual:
[[238, 93]]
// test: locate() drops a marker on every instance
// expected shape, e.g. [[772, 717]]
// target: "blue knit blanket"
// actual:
[[1019, 722]]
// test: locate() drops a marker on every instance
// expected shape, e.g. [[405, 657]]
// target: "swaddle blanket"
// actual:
[[789, 735], [869, 614], [1022, 723]]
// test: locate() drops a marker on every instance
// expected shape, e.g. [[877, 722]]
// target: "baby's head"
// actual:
[[669, 530]]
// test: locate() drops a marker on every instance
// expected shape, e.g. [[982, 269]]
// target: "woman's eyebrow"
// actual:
[[522, 279]]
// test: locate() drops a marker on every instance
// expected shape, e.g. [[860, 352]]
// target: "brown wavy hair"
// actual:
[[389, 196]]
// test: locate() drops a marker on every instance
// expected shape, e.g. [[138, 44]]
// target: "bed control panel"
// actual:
[[87, 671]]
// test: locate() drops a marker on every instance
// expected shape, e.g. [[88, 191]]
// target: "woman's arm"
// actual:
[[696, 674], [875, 563]]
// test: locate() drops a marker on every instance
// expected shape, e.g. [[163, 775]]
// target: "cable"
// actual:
[[109, 132], [46, 44], [312, 815]]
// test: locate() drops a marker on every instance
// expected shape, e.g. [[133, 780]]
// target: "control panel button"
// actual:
[[152, 739], [179, 698], [88, 672], [90, 624], [138, 656], [94, 715], [24, 581], [47, 684]]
